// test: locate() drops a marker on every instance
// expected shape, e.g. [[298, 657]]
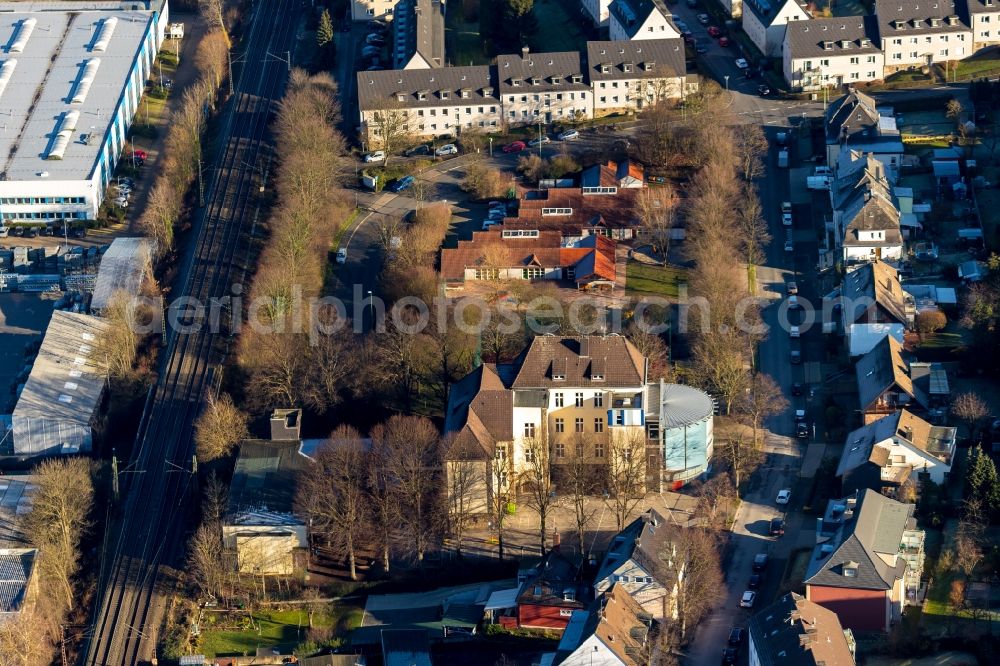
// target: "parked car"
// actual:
[[763, 90], [735, 637], [795, 357], [703, 19], [742, 63], [700, 49], [31, 232], [777, 527], [786, 213], [4, 232], [794, 331], [569, 135], [79, 232], [497, 204], [746, 601], [789, 245], [375, 39], [754, 582], [730, 655], [400, 184], [783, 496], [793, 302], [515, 147], [537, 141], [342, 255], [714, 31], [376, 156], [801, 431], [797, 388], [371, 50], [724, 41], [447, 149], [793, 288], [422, 149], [760, 562], [682, 26]]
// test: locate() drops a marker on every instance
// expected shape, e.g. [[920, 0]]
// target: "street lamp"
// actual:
[[539, 136], [726, 77], [371, 308], [491, 146]]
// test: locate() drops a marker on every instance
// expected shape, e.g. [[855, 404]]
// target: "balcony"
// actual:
[[626, 411]]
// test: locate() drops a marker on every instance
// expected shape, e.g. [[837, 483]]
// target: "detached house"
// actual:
[[866, 221], [613, 632], [916, 33], [640, 20], [854, 123], [260, 526], [867, 561], [598, 10], [983, 17], [831, 52], [885, 453], [551, 593], [884, 382], [764, 22], [635, 564], [794, 630], [874, 306]]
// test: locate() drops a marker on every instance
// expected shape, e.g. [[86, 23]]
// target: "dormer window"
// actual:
[[535, 81], [900, 25], [556, 80], [516, 83], [915, 22], [827, 46], [444, 94], [952, 20], [648, 66], [846, 44], [577, 78], [400, 97], [422, 94], [626, 66], [487, 92], [465, 93], [865, 42], [935, 22], [850, 570], [605, 68], [569, 594]]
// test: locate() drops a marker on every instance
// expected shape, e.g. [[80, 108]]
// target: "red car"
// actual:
[[515, 147], [714, 31], [141, 154], [724, 41]]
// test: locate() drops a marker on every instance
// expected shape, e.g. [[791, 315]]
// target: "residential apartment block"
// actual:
[[983, 16], [418, 34], [764, 22], [599, 11], [528, 88], [364, 10], [867, 562], [832, 52], [640, 20], [921, 32]]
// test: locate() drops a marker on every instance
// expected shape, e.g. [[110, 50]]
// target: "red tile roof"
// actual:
[[612, 211]]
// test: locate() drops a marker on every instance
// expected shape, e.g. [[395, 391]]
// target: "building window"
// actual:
[[653, 430], [484, 273], [579, 449], [579, 399], [560, 450], [598, 399], [532, 273], [599, 449], [501, 453], [559, 399], [529, 429], [598, 424], [560, 426], [579, 424], [529, 454]]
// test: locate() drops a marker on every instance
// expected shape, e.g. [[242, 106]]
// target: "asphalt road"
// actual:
[[158, 488]]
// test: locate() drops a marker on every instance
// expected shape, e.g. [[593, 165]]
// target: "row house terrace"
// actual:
[[921, 32], [832, 52]]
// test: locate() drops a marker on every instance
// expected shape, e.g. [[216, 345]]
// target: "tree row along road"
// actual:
[[156, 497]]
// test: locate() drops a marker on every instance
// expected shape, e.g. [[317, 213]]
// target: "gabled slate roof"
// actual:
[[794, 630], [876, 282], [631, 15], [425, 88], [875, 529], [832, 37], [575, 359], [902, 18], [480, 414], [528, 72], [882, 368], [766, 11], [648, 58], [853, 115], [861, 445], [642, 541]]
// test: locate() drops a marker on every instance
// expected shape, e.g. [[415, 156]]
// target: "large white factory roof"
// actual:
[[64, 388], [63, 69]]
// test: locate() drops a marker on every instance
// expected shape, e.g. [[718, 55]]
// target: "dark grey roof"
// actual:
[[647, 57], [898, 18], [264, 478], [419, 29], [794, 630], [441, 86], [880, 369], [15, 572], [643, 540], [15, 500], [876, 213], [540, 71], [874, 528], [874, 283], [767, 10], [632, 14], [859, 447], [852, 115], [831, 37], [967, 7]]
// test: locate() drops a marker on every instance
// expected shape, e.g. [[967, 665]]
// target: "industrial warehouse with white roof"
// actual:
[[55, 411], [71, 78]]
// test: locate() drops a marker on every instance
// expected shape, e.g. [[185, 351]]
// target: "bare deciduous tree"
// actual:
[[409, 447], [535, 482], [118, 341], [59, 517], [741, 454], [219, 428], [762, 400], [656, 209], [502, 490], [383, 501], [211, 13], [626, 475], [695, 551], [580, 481], [207, 560], [389, 129], [211, 58], [331, 492], [23, 640], [970, 409], [466, 481], [750, 145], [161, 214]]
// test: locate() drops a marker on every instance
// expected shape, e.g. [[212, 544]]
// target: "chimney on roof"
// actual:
[[524, 51], [285, 425]]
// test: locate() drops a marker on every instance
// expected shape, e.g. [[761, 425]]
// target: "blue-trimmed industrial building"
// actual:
[[72, 75]]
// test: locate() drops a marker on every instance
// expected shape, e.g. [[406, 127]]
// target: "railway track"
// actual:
[[158, 491]]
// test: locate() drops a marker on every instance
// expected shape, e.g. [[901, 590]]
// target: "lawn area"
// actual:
[[557, 29], [464, 44], [907, 76], [285, 629], [981, 64], [795, 571], [654, 280], [942, 340]]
